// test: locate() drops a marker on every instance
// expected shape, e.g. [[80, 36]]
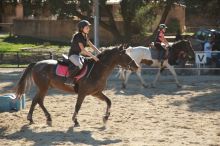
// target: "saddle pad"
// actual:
[[62, 70], [154, 53]]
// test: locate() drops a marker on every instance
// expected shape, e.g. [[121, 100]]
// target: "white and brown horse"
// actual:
[[179, 52]]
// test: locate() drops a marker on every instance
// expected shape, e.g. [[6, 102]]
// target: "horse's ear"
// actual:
[[121, 47], [125, 46]]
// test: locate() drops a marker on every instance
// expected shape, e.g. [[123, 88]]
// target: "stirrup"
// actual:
[[69, 82], [161, 63]]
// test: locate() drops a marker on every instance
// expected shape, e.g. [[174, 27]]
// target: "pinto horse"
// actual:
[[93, 83], [179, 52]]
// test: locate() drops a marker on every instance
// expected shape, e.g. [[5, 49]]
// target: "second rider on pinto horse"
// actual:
[[78, 44], [159, 43]]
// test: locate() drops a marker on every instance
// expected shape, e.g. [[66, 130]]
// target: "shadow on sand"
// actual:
[[58, 137]]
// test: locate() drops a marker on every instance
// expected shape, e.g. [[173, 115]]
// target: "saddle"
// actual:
[[155, 52], [64, 67]]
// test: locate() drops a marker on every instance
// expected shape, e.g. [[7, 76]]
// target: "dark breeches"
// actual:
[[161, 51]]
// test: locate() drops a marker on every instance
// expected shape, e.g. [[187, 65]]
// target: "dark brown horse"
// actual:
[[43, 74]]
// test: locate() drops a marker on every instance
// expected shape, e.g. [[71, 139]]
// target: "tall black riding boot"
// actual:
[[72, 73], [162, 56]]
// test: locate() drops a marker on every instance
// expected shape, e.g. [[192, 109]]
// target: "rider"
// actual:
[[78, 44], [208, 48], [159, 41]]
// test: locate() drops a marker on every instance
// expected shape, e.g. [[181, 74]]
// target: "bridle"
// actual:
[[128, 66]]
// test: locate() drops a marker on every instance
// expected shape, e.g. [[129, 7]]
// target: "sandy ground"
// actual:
[[162, 116]]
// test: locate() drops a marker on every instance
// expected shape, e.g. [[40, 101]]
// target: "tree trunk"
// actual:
[[111, 26], [1, 10], [1, 13]]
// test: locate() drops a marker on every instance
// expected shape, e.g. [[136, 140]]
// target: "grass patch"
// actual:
[[18, 43], [188, 33], [6, 45], [13, 65]]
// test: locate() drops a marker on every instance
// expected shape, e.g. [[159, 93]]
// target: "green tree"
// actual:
[[128, 11], [83, 10], [206, 8]]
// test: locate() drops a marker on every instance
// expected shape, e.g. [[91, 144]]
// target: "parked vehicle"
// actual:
[[201, 36]]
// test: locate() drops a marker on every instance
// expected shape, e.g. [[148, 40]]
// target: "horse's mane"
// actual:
[[180, 42], [106, 52], [178, 45]]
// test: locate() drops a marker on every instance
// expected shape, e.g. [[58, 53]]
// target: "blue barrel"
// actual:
[[9, 102]]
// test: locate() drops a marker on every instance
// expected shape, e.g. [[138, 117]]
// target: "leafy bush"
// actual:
[[145, 17]]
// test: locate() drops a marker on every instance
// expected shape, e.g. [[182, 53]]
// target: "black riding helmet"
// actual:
[[82, 24]]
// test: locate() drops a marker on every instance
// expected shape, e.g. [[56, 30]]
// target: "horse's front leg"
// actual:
[[102, 97], [127, 74], [79, 102], [171, 69], [156, 79]]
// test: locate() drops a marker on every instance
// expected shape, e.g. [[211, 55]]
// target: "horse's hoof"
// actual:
[[105, 119], [76, 125], [49, 123], [31, 122], [145, 86], [153, 86], [179, 86], [102, 128], [123, 86]]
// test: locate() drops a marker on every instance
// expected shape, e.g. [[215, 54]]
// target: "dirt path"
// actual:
[[162, 116]]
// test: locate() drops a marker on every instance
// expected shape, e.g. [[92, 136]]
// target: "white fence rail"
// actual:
[[200, 62]]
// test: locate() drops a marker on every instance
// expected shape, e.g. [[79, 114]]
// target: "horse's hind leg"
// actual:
[[33, 104], [79, 102], [47, 114], [101, 96], [39, 97]]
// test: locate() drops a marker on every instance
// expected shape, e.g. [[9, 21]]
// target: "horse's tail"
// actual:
[[24, 81]]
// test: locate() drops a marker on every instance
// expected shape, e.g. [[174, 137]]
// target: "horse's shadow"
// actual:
[[135, 88], [58, 137]]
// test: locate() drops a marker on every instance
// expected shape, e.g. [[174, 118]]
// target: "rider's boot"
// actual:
[[72, 73], [162, 57], [161, 62]]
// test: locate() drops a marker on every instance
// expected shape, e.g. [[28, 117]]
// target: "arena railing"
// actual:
[[14, 59]]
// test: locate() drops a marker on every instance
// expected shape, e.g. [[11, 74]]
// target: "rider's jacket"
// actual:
[[159, 37]]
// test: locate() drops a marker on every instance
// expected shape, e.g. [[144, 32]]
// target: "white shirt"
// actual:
[[208, 49]]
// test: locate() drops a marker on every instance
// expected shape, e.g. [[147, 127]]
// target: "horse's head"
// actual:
[[190, 50], [181, 51], [124, 60]]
